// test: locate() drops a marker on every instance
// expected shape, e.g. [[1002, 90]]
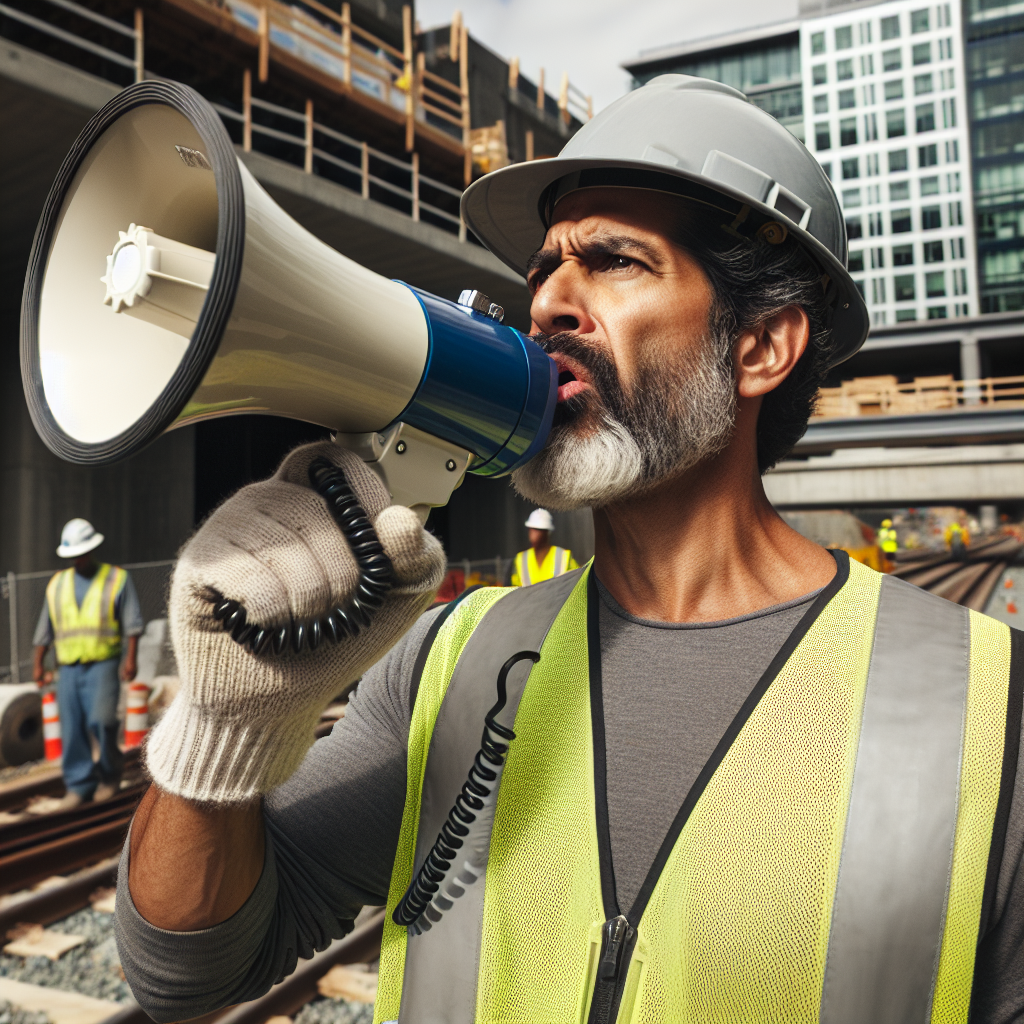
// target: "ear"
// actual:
[[765, 356]]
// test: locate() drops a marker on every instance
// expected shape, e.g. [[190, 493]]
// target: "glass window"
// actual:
[[827, 168], [902, 315], [847, 99], [922, 53], [927, 156], [899, 191], [844, 70], [932, 252], [851, 197], [821, 103], [901, 222], [923, 84], [891, 27], [817, 43], [935, 284], [897, 161], [903, 285], [894, 89], [892, 60], [844, 37], [854, 227], [902, 255], [851, 168], [819, 73], [931, 218], [930, 186], [925, 117], [856, 261], [936, 312], [919, 21], [848, 131], [822, 136], [895, 123]]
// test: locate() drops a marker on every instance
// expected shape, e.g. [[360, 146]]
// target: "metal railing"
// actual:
[[356, 172], [885, 396], [24, 594], [135, 62]]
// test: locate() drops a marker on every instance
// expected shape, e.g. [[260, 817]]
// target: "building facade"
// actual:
[[915, 112]]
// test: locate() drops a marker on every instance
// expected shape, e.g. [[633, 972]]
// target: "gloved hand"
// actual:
[[243, 721]]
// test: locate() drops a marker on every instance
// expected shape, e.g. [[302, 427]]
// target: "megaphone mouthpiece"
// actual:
[[163, 274]]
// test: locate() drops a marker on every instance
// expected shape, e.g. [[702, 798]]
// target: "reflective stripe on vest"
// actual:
[[523, 565], [90, 632], [828, 865]]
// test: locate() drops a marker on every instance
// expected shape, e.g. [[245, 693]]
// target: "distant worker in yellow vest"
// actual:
[[541, 560], [89, 609], [887, 540], [958, 539]]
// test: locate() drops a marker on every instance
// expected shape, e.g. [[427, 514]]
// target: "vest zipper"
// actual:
[[617, 940]]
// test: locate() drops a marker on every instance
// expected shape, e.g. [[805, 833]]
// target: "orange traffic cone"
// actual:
[[136, 719], [53, 749]]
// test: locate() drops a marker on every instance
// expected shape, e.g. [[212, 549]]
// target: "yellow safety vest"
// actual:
[[92, 632], [830, 866], [527, 570]]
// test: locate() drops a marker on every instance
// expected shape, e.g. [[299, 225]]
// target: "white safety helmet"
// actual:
[[78, 538], [694, 138], [540, 519]]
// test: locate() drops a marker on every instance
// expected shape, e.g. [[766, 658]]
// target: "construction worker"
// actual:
[[729, 775], [887, 539], [541, 560], [957, 538], [91, 608]]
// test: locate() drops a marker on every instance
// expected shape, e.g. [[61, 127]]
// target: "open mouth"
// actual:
[[569, 384]]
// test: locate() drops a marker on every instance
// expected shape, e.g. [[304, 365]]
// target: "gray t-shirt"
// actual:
[[669, 694]]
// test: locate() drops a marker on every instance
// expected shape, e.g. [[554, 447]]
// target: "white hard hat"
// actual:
[[690, 137], [77, 538], [540, 519]]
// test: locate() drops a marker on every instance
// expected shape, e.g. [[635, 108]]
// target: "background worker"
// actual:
[[91, 608], [733, 788], [541, 560], [887, 539], [958, 539]]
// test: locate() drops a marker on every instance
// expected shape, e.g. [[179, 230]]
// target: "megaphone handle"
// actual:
[[376, 578]]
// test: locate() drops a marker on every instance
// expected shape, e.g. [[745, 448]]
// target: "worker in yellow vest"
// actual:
[[887, 539], [542, 560], [719, 774], [91, 608], [958, 539]]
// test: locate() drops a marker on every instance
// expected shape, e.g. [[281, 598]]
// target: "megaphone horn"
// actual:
[[165, 287]]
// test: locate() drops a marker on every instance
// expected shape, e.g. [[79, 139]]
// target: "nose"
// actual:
[[559, 304]]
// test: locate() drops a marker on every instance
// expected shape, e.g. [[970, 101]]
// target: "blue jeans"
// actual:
[[87, 697]]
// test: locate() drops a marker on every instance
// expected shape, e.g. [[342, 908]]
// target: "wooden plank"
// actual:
[[60, 1007]]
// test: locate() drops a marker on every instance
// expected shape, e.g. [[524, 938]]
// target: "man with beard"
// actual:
[[729, 775]]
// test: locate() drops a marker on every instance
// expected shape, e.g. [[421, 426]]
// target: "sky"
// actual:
[[591, 38]]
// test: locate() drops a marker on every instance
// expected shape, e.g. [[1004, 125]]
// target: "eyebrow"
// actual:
[[547, 260]]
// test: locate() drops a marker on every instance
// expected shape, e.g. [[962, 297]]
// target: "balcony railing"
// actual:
[[885, 396]]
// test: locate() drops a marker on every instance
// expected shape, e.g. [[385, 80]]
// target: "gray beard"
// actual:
[[673, 417]]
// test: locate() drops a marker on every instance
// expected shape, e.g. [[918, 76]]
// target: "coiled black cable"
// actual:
[[489, 759], [376, 578]]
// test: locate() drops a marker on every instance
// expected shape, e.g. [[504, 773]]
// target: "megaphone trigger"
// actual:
[[162, 272]]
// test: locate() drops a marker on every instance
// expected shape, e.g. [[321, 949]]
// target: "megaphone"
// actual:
[[165, 287]]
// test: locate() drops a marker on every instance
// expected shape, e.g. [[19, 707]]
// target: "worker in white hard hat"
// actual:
[[91, 617], [542, 560], [725, 774]]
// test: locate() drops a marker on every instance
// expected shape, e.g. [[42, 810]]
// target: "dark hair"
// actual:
[[752, 280]]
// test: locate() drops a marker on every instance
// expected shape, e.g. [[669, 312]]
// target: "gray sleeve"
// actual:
[[332, 832], [999, 969], [129, 612], [43, 636]]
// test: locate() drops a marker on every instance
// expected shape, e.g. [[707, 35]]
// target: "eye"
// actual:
[[620, 263]]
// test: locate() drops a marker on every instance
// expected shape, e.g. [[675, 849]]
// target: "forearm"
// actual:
[[193, 865], [37, 662]]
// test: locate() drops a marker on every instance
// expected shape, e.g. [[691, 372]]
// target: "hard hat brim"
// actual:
[[83, 548], [504, 210]]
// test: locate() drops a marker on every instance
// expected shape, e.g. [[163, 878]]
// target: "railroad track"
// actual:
[[969, 583]]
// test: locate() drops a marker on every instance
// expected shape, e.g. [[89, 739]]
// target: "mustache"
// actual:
[[604, 377]]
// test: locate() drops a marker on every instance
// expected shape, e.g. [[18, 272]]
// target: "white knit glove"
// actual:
[[243, 721]]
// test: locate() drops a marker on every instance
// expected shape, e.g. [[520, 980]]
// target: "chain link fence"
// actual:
[[23, 595]]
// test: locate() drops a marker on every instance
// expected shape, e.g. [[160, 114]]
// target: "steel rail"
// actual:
[[57, 903]]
